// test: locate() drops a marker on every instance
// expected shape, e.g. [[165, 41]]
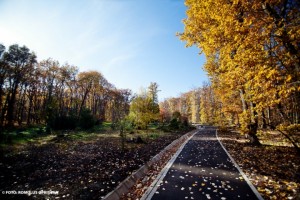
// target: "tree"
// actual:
[[153, 96], [20, 61], [3, 76], [57, 95], [140, 112], [252, 48], [165, 115], [195, 99], [143, 107], [50, 73], [34, 81], [87, 81], [118, 105], [181, 104]]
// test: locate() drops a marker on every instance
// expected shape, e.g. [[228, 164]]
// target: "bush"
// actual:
[[174, 124], [86, 119], [70, 122], [64, 122]]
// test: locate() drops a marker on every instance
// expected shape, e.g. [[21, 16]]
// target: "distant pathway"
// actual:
[[202, 170]]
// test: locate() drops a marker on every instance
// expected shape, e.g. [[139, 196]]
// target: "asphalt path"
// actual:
[[202, 170]]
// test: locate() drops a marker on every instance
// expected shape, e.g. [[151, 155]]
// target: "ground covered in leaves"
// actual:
[[273, 169], [141, 186], [73, 169]]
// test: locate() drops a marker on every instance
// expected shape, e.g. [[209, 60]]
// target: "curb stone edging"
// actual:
[[151, 190], [125, 185], [240, 170]]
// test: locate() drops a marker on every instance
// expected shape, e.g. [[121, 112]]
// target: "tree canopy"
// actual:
[[253, 53], [144, 107], [60, 96]]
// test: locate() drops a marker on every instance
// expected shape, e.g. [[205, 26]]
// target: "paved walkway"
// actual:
[[202, 170]]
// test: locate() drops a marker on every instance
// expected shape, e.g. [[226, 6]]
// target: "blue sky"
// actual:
[[131, 42]]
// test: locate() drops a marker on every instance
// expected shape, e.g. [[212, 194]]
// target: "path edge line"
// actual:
[[151, 189], [258, 195], [126, 184]]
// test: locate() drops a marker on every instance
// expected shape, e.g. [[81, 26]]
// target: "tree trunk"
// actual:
[[264, 125], [244, 103], [253, 126], [270, 126], [11, 105], [4, 109], [29, 109], [283, 116], [238, 120], [83, 101], [297, 108], [21, 105], [252, 135]]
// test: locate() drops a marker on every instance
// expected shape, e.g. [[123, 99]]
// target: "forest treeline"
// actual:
[[59, 96], [62, 98], [196, 106], [252, 51]]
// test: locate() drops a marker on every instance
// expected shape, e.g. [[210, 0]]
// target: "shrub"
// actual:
[[174, 124], [86, 119], [64, 122]]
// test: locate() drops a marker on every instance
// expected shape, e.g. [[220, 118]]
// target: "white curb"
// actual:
[[153, 187], [240, 170], [125, 186]]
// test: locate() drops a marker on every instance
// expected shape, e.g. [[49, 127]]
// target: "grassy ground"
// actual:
[[21, 137], [18, 138]]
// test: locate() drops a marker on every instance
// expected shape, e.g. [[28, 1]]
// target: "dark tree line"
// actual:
[[59, 96]]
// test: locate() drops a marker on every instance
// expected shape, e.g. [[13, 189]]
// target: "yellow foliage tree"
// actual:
[[252, 50]]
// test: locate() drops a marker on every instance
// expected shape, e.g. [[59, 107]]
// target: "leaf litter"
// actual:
[[273, 170], [76, 169]]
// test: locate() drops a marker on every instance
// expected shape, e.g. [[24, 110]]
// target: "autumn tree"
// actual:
[[229, 102], [19, 62], [140, 113], [181, 104], [87, 82], [47, 92], [164, 113], [49, 75], [253, 49], [66, 77], [118, 105], [144, 107], [195, 98], [153, 96], [34, 103], [211, 107], [3, 75]]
